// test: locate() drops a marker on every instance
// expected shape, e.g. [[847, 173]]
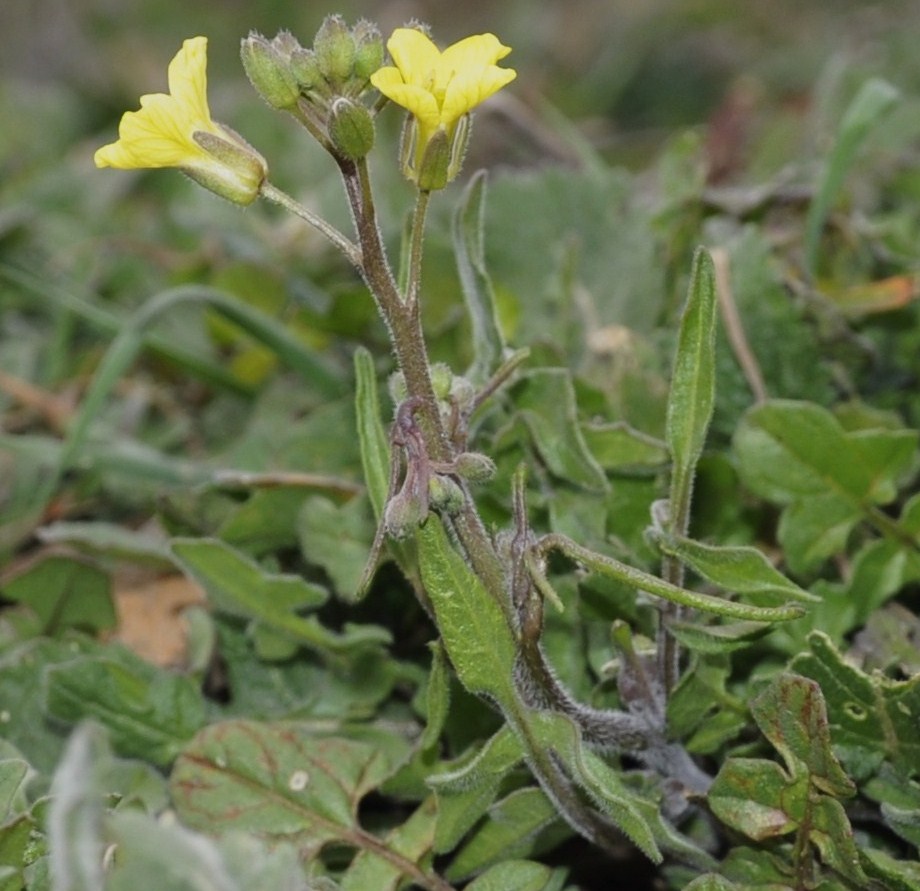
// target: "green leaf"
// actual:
[[717, 638], [17, 850], [275, 779], [813, 529], [159, 856], [692, 395], [437, 697], [336, 537], [897, 875], [634, 816], [783, 448], [792, 715], [375, 448], [757, 798], [64, 592], [238, 586], [763, 801], [149, 712], [466, 787], [14, 775], [266, 522], [744, 570], [508, 832], [546, 403], [619, 447], [375, 456], [75, 818], [871, 717], [468, 225], [473, 626], [412, 841], [130, 340], [278, 781], [519, 875], [711, 882], [874, 100], [110, 540]]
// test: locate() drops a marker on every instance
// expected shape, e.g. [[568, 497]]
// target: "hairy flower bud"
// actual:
[[269, 71], [444, 494], [351, 128], [335, 51], [403, 514], [369, 52], [474, 466]]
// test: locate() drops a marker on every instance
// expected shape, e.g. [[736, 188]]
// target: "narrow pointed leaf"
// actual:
[[692, 396], [468, 225], [875, 99], [744, 570]]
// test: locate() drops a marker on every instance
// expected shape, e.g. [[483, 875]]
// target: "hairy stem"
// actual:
[[345, 245]]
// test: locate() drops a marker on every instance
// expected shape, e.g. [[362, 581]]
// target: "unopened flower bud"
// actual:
[[335, 50], [474, 466], [462, 393], [444, 494], [403, 514], [286, 44], [269, 71], [351, 128], [306, 70], [441, 379], [369, 53], [239, 172]]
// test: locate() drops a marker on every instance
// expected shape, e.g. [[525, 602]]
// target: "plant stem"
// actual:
[[672, 571], [415, 250], [403, 319], [345, 245]]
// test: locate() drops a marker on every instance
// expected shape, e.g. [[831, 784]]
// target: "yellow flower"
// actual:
[[439, 88], [176, 130]]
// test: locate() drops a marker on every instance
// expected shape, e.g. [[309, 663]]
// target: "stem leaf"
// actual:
[[472, 625], [468, 226], [692, 395]]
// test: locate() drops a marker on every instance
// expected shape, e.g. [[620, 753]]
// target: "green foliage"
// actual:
[[191, 396]]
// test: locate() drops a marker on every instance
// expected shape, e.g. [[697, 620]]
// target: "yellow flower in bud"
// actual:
[[439, 88], [176, 130]]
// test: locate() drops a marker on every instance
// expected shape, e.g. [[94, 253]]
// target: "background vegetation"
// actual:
[[635, 132]]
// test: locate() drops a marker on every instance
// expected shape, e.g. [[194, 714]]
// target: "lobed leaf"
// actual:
[[276, 780], [238, 586], [148, 712], [871, 718]]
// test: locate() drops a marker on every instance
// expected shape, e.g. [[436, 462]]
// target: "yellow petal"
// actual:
[[471, 87], [160, 133], [416, 57], [477, 51], [188, 78], [418, 101]]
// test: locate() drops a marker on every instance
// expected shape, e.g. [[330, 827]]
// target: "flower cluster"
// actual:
[[323, 86]]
